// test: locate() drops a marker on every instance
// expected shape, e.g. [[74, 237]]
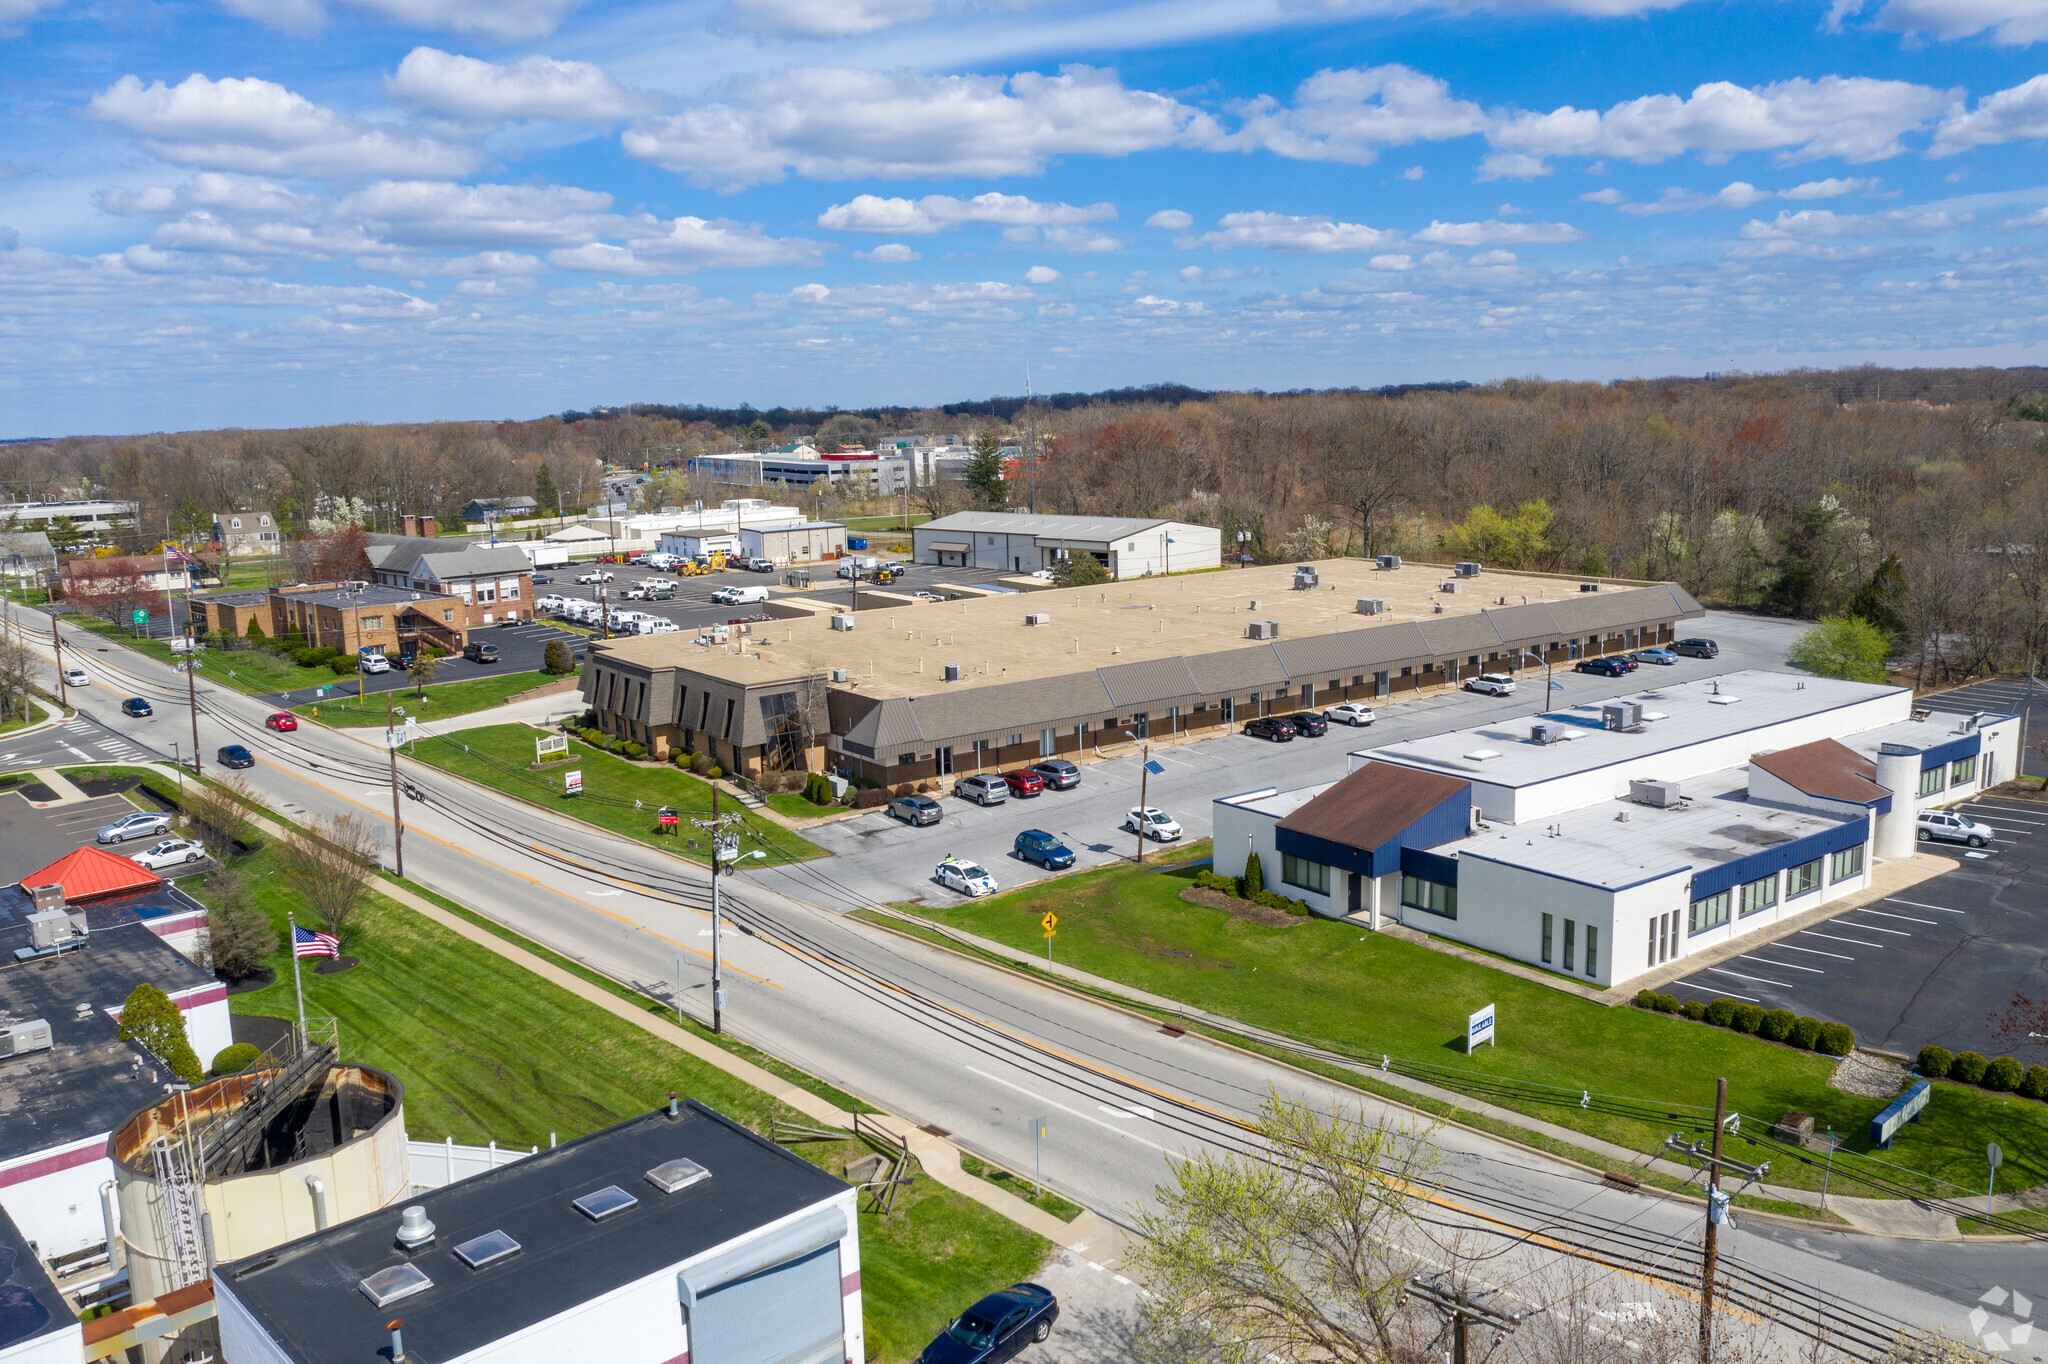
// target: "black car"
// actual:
[[917, 810], [1696, 648], [234, 755], [543, 578], [480, 653], [136, 707], [1309, 723], [1603, 667], [1036, 845], [1059, 774], [997, 1327], [1270, 727]]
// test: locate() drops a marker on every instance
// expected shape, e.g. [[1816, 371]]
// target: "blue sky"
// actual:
[[277, 212]]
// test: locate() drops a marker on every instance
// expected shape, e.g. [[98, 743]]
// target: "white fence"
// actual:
[[435, 1163]]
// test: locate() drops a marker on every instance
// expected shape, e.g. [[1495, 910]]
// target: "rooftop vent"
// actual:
[[414, 1228], [387, 1286], [1306, 577], [1546, 732], [1662, 794], [1722, 700], [1480, 755], [1589, 587], [486, 1249], [1621, 714], [673, 1176], [1263, 629], [952, 672], [1371, 606], [1390, 561], [1037, 618], [1467, 569], [842, 620], [839, 674], [603, 1203], [1452, 585], [23, 1038]]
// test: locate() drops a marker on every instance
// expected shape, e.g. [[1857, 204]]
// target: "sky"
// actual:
[[257, 213]]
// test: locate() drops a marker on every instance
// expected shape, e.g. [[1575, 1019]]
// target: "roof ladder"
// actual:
[[179, 1209]]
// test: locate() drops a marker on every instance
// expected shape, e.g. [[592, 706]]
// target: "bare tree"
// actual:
[[331, 863], [18, 672], [219, 814]]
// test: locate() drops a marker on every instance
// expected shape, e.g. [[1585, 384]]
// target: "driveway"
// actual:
[[521, 648]]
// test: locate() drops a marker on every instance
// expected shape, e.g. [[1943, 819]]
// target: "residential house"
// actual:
[[27, 555], [499, 508], [246, 532], [495, 580]]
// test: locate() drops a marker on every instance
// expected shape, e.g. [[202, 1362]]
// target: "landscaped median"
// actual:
[[1621, 1074]]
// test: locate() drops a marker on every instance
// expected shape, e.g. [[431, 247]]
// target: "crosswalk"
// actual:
[[111, 747]]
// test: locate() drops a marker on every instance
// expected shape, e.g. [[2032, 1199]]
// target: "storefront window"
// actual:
[[1961, 771], [1846, 863], [1709, 913], [1432, 896], [1299, 871], [1802, 879], [1759, 894]]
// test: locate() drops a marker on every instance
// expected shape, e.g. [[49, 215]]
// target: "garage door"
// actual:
[[790, 1314]]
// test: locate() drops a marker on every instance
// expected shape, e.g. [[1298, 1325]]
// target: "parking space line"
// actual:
[[1895, 900], [1874, 928], [1907, 917], [1789, 965], [1853, 942], [1724, 971]]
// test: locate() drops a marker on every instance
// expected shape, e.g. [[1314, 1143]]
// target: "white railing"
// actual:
[[435, 1163]]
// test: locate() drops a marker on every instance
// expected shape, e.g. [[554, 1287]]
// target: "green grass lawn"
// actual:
[[487, 1051], [792, 805], [499, 755], [1365, 994], [441, 701], [256, 671], [253, 571], [869, 525]]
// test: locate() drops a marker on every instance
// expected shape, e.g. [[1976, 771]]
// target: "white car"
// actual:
[[171, 852], [966, 877], [1492, 684], [374, 664], [1153, 822], [1946, 826], [595, 576], [1043, 575], [1350, 713], [75, 677]]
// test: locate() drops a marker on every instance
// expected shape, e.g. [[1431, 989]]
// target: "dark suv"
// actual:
[[1309, 723], [1036, 845], [1696, 648], [1270, 727]]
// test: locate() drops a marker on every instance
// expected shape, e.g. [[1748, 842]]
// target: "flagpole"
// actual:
[[298, 989]]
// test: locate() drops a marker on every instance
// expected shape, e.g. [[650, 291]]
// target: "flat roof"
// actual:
[[305, 1292], [1940, 727], [377, 594], [1103, 528], [89, 1081], [1619, 843], [1687, 713], [901, 650], [34, 1306]]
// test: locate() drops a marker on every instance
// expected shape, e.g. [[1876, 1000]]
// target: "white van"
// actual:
[[737, 596], [654, 626]]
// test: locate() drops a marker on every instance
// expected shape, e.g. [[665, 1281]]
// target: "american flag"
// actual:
[[307, 943]]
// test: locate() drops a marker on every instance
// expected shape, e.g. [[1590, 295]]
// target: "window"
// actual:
[[1407, 672], [1045, 743], [1758, 894], [1592, 949], [1655, 924], [1013, 740], [235, 524], [730, 706], [1546, 940], [484, 594], [1299, 871], [511, 590], [1432, 896], [1931, 780], [905, 759], [447, 616], [264, 520], [1845, 864], [373, 622], [1711, 912], [1569, 929], [1229, 706], [1962, 770], [1802, 879]]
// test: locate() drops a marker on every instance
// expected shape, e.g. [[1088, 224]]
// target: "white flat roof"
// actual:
[[1941, 727], [1687, 713], [1277, 805]]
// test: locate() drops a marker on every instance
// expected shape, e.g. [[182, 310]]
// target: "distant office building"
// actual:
[[96, 516], [1019, 542]]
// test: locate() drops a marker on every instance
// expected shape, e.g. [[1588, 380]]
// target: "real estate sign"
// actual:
[[572, 783], [1479, 1028]]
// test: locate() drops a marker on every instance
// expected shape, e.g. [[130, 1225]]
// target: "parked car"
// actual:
[[141, 824], [1024, 782], [1697, 648], [75, 677], [966, 877], [1307, 722], [543, 579], [1059, 774], [1662, 657], [478, 652], [235, 756], [1491, 684], [1350, 713], [915, 810], [1627, 662], [283, 721], [761, 565], [1036, 845], [169, 853], [135, 708], [374, 664], [1270, 727], [1947, 826], [596, 575], [986, 789], [1603, 667], [737, 596], [1153, 822], [1044, 575], [997, 1327], [922, 595]]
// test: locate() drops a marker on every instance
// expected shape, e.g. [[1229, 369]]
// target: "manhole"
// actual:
[[931, 1130]]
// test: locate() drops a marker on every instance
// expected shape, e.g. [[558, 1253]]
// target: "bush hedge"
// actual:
[[870, 798], [817, 790], [1209, 880], [2004, 1075], [1721, 1013], [1777, 1025], [1933, 1062], [1693, 1009], [2034, 1084], [1836, 1039], [1968, 1067], [233, 1060]]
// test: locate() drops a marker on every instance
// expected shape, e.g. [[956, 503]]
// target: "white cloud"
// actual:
[[503, 19], [2014, 23], [432, 81], [1394, 263], [482, 265], [2018, 114], [688, 245], [1081, 241], [1189, 272], [890, 253], [936, 212], [1739, 195], [836, 123], [248, 124], [1492, 258], [1349, 115], [13, 12], [2038, 218], [822, 18], [1610, 195], [1512, 166], [1041, 274], [1290, 235], [439, 213], [1413, 173], [1830, 188], [1856, 118], [1816, 232], [1172, 219], [1495, 232]]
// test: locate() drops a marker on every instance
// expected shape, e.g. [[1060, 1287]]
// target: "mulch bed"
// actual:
[[107, 788], [334, 966], [2028, 789], [1242, 909], [35, 790], [247, 984]]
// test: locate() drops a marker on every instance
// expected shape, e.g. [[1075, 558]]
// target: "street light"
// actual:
[[1144, 777]]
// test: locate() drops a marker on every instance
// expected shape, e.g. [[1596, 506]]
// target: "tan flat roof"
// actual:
[[902, 650]]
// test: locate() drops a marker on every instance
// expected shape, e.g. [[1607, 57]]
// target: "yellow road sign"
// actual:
[[1050, 923]]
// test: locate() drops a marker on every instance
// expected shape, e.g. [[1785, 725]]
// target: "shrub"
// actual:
[[149, 1017], [1646, 999], [235, 1059], [1748, 1017], [1693, 1009], [817, 790], [700, 764], [2034, 1084], [1805, 1032], [1933, 1062], [1777, 1024], [2004, 1075], [1254, 877], [591, 736], [1721, 1013], [1967, 1067], [714, 771], [255, 630], [633, 750], [1836, 1039], [1668, 1003], [343, 667], [558, 660], [870, 798]]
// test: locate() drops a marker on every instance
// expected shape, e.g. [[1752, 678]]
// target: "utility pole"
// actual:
[[1717, 1204], [1461, 1311], [1144, 778], [397, 813], [1030, 439], [192, 683], [725, 847], [63, 697]]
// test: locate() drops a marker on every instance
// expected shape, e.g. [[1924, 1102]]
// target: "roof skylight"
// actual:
[[673, 1176], [486, 1249], [604, 1202], [387, 1286]]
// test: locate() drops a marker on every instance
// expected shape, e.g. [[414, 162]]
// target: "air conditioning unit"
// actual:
[[1037, 618], [1452, 585], [1390, 561], [1662, 794], [842, 620], [952, 672], [839, 674], [1371, 606], [1546, 732], [1263, 629], [25, 1037], [1305, 577], [1621, 714], [1589, 587], [1467, 569]]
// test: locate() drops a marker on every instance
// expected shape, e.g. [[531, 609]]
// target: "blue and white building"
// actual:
[[1606, 839]]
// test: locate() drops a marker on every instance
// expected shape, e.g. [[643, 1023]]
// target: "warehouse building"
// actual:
[[1020, 542], [909, 692], [1606, 839]]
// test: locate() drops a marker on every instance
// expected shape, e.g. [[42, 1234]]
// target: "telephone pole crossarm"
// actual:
[[1460, 1311]]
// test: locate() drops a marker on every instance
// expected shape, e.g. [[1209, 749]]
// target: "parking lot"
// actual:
[[2006, 696], [692, 606], [521, 648]]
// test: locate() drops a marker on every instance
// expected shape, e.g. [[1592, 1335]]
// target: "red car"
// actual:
[[1024, 782], [283, 720]]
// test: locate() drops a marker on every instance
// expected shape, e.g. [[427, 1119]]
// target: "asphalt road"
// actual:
[[981, 1053]]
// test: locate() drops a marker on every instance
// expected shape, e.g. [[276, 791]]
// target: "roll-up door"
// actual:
[[775, 1300]]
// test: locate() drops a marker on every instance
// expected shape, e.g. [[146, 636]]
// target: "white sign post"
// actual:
[[558, 743], [1479, 1028]]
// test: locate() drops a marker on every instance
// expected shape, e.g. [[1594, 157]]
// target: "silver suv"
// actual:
[[987, 789]]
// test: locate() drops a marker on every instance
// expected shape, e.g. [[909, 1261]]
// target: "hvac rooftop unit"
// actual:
[[56, 928], [1263, 629], [839, 674], [1467, 569], [46, 897], [1452, 585], [1037, 618], [1662, 794], [1546, 732], [25, 1037], [842, 620], [1371, 606], [1305, 577], [1390, 561], [952, 672], [1589, 587], [1621, 714]]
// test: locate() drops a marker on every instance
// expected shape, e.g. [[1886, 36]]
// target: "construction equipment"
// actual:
[[885, 576]]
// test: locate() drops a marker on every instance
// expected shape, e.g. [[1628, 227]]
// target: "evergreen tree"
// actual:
[[557, 660], [985, 473], [1254, 877], [549, 500], [238, 934], [150, 1018], [1885, 599], [1080, 570]]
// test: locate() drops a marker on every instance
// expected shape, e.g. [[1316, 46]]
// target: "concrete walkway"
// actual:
[[67, 793]]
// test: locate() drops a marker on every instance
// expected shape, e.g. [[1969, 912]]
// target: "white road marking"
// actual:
[[1895, 900], [1907, 917], [596, 893], [1072, 1112], [1820, 952], [1786, 965], [1874, 928], [1739, 976]]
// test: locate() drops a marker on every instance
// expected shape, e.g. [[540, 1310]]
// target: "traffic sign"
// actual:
[[141, 616], [1050, 923], [1994, 1155]]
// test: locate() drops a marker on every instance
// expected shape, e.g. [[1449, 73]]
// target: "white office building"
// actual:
[[1021, 542]]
